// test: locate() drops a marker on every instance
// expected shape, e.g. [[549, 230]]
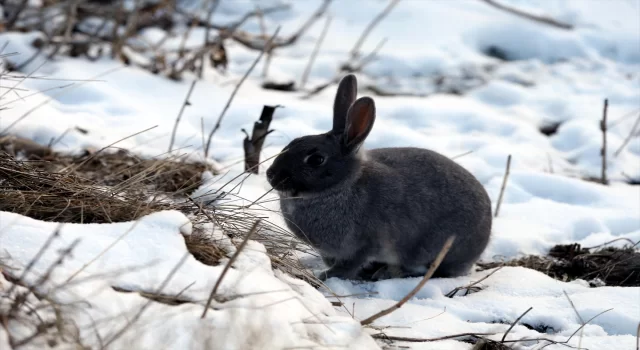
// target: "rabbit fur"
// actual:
[[391, 206]]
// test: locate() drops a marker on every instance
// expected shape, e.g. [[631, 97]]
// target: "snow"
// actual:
[[550, 76], [271, 310], [508, 293]]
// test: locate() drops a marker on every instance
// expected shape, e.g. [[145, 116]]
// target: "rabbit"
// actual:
[[394, 207]]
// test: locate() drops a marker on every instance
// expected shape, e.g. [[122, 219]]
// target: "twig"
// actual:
[[314, 54], [577, 314], [468, 287], [26, 114], [260, 16], [565, 342], [249, 42], [105, 147], [235, 255], [432, 269], [148, 303], [233, 94], [514, 323], [629, 137], [12, 20], [185, 35], [462, 155], [103, 252], [184, 105], [351, 69], [55, 234], [603, 151], [536, 18], [424, 340], [212, 10], [267, 61], [376, 20], [71, 22], [22, 79], [253, 145], [619, 120], [611, 241], [132, 20], [504, 185]]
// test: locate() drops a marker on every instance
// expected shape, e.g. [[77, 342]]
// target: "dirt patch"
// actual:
[[599, 265]]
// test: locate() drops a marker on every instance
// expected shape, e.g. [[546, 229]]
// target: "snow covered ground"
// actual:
[[551, 75]]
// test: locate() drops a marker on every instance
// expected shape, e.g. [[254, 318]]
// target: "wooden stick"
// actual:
[[628, 138], [314, 54], [184, 105], [504, 185], [235, 255], [427, 276], [212, 10], [253, 145], [424, 340], [376, 20], [529, 16], [235, 90], [513, 324], [603, 151]]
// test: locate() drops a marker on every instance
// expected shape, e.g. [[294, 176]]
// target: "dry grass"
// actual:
[[282, 247], [608, 265], [66, 197]]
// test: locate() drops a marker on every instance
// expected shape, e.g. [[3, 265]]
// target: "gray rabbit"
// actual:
[[393, 207]]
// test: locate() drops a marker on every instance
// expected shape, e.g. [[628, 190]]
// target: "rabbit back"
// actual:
[[420, 198]]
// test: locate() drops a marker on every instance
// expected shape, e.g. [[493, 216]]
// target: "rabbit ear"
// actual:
[[345, 96], [360, 120]]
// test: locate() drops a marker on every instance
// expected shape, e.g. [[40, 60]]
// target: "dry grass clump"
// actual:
[[66, 197], [204, 247], [608, 265], [125, 170], [281, 245]]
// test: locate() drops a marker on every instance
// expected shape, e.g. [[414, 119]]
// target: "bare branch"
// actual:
[[432, 269], [253, 145], [603, 151], [529, 16], [504, 185], [376, 20], [629, 137], [12, 20], [314, 54], [233, 94], [184, 105], [135, 318], [424, 340], [350, 68], [514, 323], [253, 230], [248, 40]]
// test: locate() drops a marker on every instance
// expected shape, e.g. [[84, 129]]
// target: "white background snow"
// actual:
[[555, 76]]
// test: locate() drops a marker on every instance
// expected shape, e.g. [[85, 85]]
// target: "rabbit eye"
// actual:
[[315, 160]]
